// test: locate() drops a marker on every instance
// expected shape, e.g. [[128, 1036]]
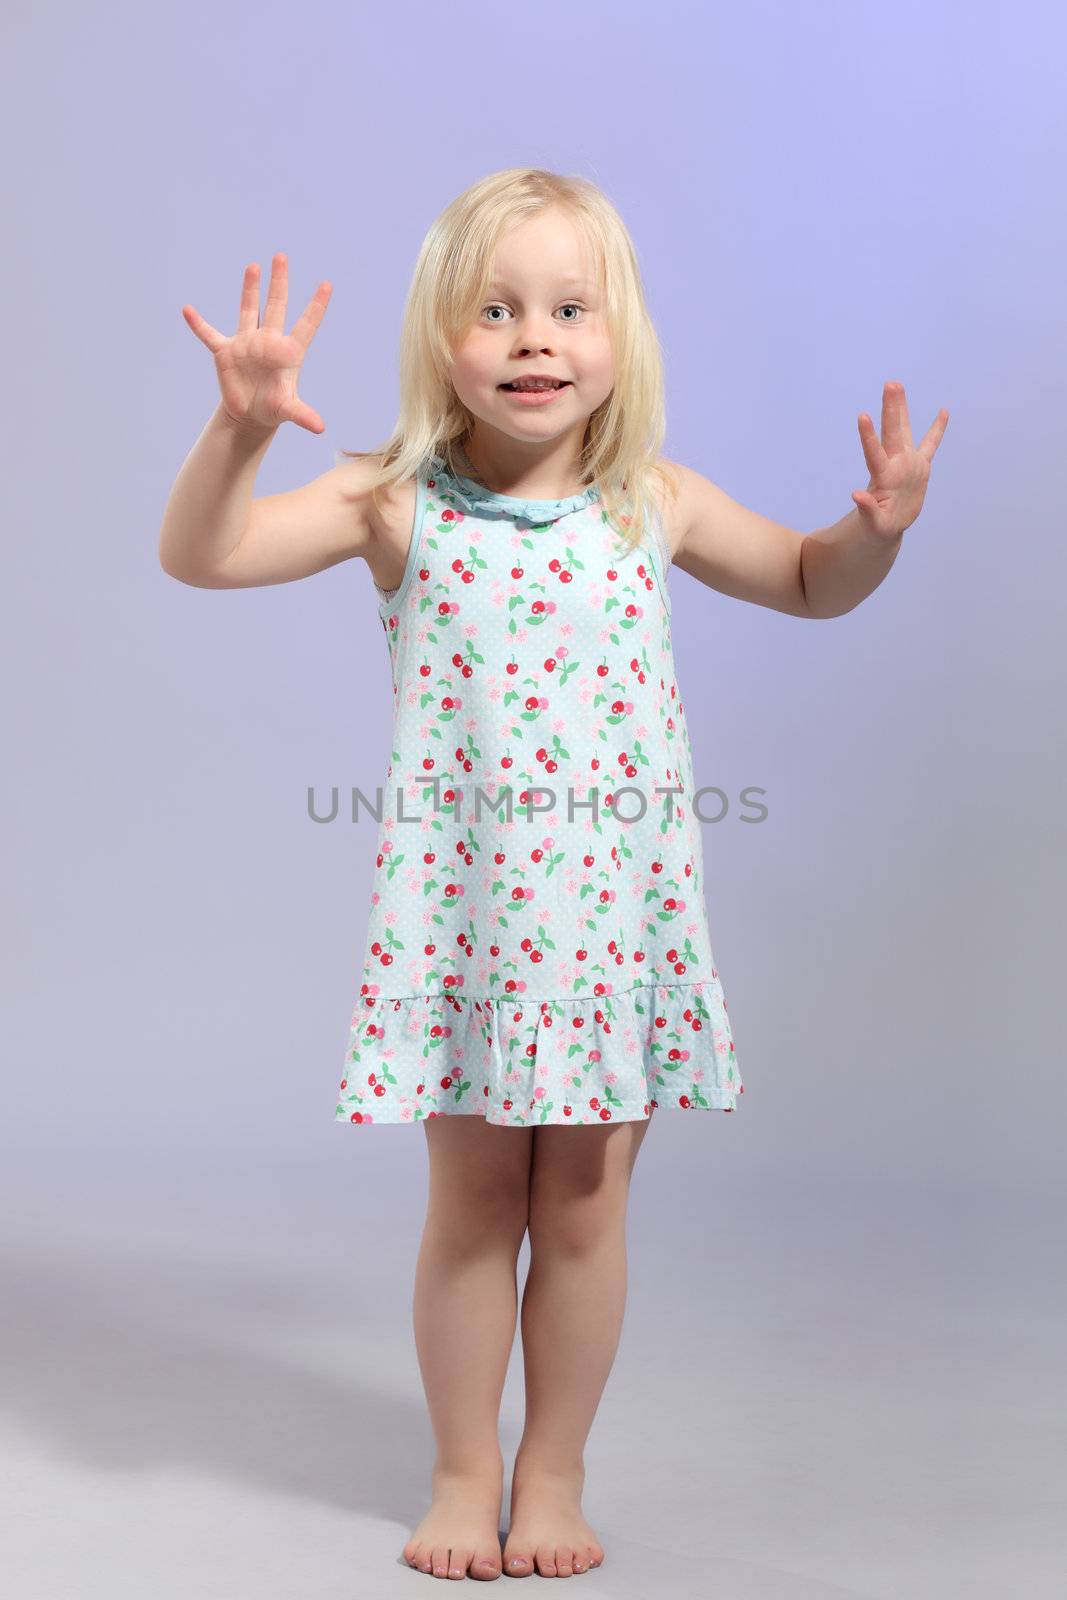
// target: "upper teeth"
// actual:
[[536, 383]]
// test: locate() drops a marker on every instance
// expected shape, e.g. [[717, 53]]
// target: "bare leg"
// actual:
[[464, 1307], [572, 1312]]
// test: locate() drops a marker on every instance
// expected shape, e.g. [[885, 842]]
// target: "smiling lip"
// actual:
[[534, 397], [536, 377]]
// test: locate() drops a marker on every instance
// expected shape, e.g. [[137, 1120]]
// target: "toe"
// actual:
[[564, 1562], [459, 1561], [439, 1560], [485, 1565], [518, 1565], [545, 1556]]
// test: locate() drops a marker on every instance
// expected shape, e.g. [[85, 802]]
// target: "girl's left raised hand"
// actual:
[[899, 472]]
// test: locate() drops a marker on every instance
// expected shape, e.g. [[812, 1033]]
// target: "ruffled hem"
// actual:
[[519, 1062]]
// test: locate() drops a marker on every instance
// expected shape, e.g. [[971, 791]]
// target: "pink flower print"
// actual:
[[470, 629], [406, 1113], [497, 596], [412, 697], [389, 918], [605, 636], [521, 635], [612, 1077], [559, 725], [495, 691]]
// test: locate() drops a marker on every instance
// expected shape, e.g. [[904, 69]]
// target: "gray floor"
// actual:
[[211, 1389]]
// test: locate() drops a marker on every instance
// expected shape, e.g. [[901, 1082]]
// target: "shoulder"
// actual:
[[389, 507], [389, 517], [674, 498]]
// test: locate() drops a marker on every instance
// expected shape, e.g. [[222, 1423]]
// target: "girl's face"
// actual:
[[543, 315]]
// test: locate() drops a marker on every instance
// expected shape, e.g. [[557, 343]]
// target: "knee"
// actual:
[[486, 1212], [575, 1221]]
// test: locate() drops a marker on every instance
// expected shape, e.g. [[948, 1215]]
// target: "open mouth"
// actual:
[[534, 388]]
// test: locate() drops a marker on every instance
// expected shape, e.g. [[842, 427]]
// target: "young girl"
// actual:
[[538, 974]]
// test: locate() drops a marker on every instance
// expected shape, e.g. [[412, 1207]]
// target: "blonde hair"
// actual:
[[623, 437]]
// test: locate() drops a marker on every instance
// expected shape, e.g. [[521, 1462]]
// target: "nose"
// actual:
[[532, 336]]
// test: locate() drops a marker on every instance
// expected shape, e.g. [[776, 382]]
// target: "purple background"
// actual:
[[841, 1334]]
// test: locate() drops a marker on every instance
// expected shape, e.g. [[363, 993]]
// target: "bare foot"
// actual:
[[460, 1532], [547, 1527]]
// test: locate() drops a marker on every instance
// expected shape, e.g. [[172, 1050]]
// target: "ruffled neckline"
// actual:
[[483, 502]]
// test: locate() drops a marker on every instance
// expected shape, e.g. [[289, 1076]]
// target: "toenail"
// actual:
[[455, 1573]]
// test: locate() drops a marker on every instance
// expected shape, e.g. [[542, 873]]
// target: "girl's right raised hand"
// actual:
[[258, 366]]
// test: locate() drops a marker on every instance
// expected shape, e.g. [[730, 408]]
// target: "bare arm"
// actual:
[[737, 551], [208, 509], [829, 572], [215, 535]]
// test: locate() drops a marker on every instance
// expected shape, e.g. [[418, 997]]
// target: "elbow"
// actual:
[[191, 580]]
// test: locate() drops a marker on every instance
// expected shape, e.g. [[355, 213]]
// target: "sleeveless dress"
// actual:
[[538, 948]]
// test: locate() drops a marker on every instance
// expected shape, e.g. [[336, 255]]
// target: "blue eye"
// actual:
[[570, 304]]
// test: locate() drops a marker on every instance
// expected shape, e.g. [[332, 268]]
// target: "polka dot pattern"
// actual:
[[537, 948]]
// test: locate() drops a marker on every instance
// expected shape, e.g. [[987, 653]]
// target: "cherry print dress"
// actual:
[[534, 955]]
